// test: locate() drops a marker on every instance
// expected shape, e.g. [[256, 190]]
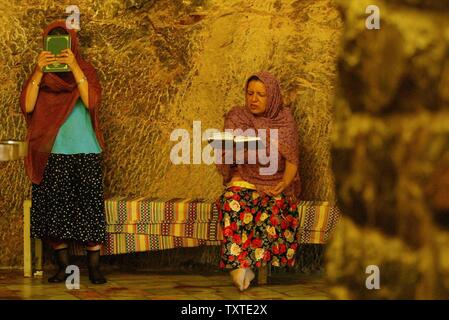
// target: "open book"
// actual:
[[223, 139]]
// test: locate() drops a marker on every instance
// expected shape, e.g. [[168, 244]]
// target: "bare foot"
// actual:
[[249, 276], [238, 277]]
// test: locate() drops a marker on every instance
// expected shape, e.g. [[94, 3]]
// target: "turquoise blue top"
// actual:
[[77, 134]]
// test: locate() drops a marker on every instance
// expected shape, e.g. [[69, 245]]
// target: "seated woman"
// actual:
[[64, 155], [258, 212]]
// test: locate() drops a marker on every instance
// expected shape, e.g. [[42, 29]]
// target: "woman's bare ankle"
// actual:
[[249, 276], [238, 277], [60, 246]]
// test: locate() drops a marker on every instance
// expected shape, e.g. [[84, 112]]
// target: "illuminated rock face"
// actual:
[[391, 152], [164, 64]]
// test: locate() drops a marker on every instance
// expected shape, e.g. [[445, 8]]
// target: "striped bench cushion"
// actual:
[[147, 224]]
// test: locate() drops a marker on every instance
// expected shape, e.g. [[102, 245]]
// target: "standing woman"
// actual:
[[64, 155], [259, 212]]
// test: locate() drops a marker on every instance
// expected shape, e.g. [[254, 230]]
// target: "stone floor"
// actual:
[[153, 285]]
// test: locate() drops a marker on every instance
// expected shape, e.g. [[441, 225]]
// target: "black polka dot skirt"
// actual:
[[69, 202]]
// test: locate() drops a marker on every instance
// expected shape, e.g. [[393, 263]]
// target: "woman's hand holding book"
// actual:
[[66, 56], [44, 59]]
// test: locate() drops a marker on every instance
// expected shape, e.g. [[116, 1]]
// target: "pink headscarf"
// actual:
[[276, 116]]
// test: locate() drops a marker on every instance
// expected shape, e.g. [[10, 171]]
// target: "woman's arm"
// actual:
[[289, 150], [32, 90], [67, 56], [290, 172], [289, 175], [83, 85]]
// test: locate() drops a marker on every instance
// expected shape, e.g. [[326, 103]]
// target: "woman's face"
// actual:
[[256, 97]]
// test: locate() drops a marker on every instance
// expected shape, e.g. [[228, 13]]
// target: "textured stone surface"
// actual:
[[164, 64]]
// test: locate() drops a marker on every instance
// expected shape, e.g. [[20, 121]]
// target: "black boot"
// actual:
[[62, 259], [93, 263]]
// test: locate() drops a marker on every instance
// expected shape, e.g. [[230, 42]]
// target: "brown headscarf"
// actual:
[[58, 94], [276, 116]]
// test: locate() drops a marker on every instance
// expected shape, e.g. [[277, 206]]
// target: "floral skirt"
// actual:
[[257, 229]]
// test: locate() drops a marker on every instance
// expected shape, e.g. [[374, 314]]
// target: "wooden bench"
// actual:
[[147, 224]]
